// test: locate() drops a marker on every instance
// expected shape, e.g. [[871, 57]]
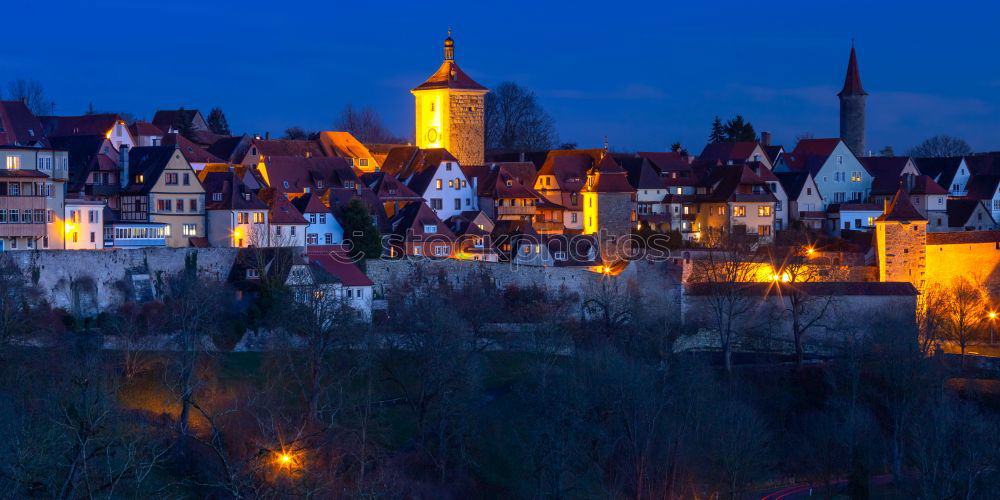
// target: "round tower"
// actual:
[[852, 108]]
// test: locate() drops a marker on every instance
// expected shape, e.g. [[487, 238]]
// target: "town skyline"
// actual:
[[783, 78]]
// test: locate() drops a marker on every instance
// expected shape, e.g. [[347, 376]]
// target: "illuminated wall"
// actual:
[[976, 261], [453, 120], [590, 222]]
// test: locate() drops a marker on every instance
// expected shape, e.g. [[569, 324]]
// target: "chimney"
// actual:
[[267, 136], [521, 156], [765, 138], [123, 165]]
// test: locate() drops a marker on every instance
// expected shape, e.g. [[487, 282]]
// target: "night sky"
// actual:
[[645, 75]]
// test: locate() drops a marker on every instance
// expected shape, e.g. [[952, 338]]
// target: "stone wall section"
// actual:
[[104, 273], [466, 128]]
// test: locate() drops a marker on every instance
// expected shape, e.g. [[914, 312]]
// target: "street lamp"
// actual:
[[993, 317]]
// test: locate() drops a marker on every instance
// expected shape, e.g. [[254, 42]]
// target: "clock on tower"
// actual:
[[449, 111]]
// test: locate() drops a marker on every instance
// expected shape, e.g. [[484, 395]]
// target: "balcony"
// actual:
[[507, 210]]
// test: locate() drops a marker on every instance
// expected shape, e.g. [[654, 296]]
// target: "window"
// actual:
[[855, 176], [438, 184], [190, 230], [285, 184], [451, 183], [74, 216], [170, 179], [437, 203], [13, 163], [165, 205], [258, 217], [322, 218], [252, 274], [362, 162], [45, 242], [430, 228], [840, 159], [857, 223], [328, 239], [447, 166], [441, 251], [75, 234], [312, 218], [92, 216], [242, 218], [763, 211], [720, 210], [572, 218], [468, 202], [458, 203], [764, 230], [777, 206], [293, 230], [312, 239], [13, 189], [739, 211], [418, 251], [91, 236], [193, 205], [432, 106], [809, 191], [871, 220], [277, 230], [839, 197], [187, 179], [3, 215]]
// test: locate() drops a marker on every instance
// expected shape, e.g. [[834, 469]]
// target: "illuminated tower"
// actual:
[[900, 238], [852, 108], [607, 207], [449, 111]]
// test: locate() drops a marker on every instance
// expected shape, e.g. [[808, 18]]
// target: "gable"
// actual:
[[180, 166]]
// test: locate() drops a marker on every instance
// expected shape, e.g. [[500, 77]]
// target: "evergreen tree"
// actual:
[[738, 130], [184, 124], [217, 122], [360, 230], [718, 133]]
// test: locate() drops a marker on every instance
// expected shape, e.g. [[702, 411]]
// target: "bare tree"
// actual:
[[965, 311], [365, 125], [32, 94], [515, 120], [941, 146], [298, 133], [795, 285], [727, 271]]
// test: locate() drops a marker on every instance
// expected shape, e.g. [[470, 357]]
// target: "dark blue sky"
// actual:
[[644, 74]]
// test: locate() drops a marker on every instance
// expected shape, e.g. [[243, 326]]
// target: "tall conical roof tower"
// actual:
[[852, 108]]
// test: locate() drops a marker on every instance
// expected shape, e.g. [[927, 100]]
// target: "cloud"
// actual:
[[629, 92]]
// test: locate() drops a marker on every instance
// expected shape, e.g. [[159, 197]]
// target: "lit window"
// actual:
[[438, 184], [13, 162], [763, 211]]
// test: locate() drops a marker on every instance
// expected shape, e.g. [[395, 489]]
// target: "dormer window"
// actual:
[[447, 166], [285, 184], [216, 196], [253, 150], [349, 184], [252, 274], [430, 228], [510, 183], [319, 184], [392, 191]]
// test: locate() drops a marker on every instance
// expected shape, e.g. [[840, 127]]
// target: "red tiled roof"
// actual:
[[145, 129], [19, 126], [335, 260], [287, 147], [450, 76], [852, 80], [728, 151], [191, 151], [962, 237], [901, 209], [61, 126], [611, 178]]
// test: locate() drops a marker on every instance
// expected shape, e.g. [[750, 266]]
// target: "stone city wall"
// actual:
[[89, 281]]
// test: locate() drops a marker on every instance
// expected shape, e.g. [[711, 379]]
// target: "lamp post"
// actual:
[[993, 317]]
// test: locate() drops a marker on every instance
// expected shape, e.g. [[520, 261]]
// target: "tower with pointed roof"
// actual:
[[852, 108], [449, 111], [607, 207], [900, 241]]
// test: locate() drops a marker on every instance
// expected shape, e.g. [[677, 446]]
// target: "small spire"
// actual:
[[449, 47], [605, 143], [852, 81]]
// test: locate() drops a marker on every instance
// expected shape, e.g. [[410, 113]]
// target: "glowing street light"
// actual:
[[810, 250], [993, 317]]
